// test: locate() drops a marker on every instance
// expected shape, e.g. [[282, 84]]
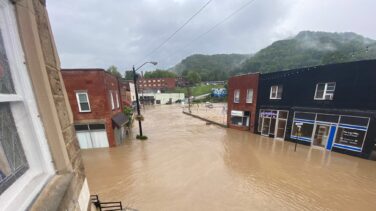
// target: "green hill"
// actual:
[[310, 49], [307, 48], [210, 67]]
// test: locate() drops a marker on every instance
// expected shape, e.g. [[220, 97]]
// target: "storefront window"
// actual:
[[240, 118], [305, 131], [351, 133]]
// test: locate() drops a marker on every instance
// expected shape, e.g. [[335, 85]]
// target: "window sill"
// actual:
[[52, 193], [21, 194]]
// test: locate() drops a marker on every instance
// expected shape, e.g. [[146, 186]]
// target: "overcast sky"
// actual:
[[99, 33]]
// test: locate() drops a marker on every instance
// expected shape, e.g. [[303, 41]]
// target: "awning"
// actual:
[[120, 120]]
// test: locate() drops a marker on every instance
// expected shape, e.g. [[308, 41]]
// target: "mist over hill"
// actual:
[[307, 48]]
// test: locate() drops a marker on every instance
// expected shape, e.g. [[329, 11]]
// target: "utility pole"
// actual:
[[137, 101]]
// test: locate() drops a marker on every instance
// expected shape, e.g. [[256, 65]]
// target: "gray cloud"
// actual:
[[97, 33]]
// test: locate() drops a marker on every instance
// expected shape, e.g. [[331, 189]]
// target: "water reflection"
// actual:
[[187, 165]]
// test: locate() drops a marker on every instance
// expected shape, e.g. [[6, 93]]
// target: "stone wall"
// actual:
[[68, 189]]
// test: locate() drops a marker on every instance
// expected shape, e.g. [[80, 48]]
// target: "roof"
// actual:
[[83, 69], [120, 119]]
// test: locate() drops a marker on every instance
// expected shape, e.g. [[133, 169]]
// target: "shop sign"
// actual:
[[237, 113], [269, 114], [350, 137]]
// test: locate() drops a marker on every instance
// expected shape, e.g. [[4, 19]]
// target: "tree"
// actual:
[[129, 75], [114, 71], [193, 77], [160, 74]]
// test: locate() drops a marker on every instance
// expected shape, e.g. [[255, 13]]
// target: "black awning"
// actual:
[[120, 120]]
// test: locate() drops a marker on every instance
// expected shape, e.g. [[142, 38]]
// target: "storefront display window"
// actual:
[[351, 133], [240, 118], [305, 131]]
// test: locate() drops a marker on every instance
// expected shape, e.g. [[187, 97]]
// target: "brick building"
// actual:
[[242, 101], [156, 83], [40, 161], [95, 99], [128, 94]]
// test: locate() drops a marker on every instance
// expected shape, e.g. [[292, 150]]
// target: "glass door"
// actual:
[[321, 135], [281, 126], [265, 126]]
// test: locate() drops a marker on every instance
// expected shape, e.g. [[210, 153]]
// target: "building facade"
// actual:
[[330, 107], [95, 100], [242, 101], [156, 83], [40, 162]]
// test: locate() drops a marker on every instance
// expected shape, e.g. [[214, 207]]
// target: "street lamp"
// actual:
[[137, 101]]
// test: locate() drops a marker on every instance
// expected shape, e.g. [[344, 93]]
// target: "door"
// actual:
[[92, 139], [281, 127], [321, 135], [265, 126]]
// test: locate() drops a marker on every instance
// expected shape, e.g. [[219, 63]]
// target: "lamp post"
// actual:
[[137, 101]]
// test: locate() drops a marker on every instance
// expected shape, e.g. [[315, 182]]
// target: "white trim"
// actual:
[[112, 100], [325, 91], [277, 87], [237, 92], [247, 100], [10, 98], [79, 103], [29, 126], [117, 100]]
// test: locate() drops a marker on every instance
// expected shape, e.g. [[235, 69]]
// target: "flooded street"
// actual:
[[188, 165]]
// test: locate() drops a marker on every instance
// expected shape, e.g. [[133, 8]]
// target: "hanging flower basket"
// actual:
[[139, 118]]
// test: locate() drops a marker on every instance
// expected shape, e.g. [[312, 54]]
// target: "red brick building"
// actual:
[[95, 99], [242, 101], [156, 83]]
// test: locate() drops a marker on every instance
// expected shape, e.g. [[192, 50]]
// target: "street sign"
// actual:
[[298, 123]]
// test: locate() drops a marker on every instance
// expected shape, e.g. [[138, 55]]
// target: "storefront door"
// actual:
[[321, 135], [265, 126], [281, 128]]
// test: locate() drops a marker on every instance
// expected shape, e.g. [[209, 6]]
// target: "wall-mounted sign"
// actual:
[[237, 113], [350, 137]]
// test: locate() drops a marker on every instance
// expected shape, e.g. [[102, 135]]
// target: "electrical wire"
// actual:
[[222, 21], [180, 28]]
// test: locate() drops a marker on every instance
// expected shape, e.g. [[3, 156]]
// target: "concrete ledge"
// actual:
[[206, 120], [53, 193]]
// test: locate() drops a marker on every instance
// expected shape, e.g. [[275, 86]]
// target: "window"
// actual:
[[325, 91], [240, 118], [25, 161], [83, 101], [236, 96], [249, 96], [117, 100], [276, 92], [112, 101]]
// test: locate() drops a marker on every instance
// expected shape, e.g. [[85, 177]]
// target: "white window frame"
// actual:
[[117, 100], [277, 87], [79, 103], [325, 91], [112, 101], [247, 99], [237, 98], [24, 110]]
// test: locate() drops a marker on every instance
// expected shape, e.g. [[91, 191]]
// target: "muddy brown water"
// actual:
[[188, 165]]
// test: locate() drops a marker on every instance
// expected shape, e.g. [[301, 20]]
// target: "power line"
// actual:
[[180, 28], [223, 20]]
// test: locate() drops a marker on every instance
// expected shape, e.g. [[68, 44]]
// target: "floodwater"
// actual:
[[188, 165]]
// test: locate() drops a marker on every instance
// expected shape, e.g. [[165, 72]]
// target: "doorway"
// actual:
[[265, 126], [320, 138], [281, 128]]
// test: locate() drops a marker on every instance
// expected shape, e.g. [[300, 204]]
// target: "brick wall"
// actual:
[[157, 83], [243, 82], [98, 85], [44, 66]]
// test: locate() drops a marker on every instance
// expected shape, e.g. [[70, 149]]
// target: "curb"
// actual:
[[206, 120]]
